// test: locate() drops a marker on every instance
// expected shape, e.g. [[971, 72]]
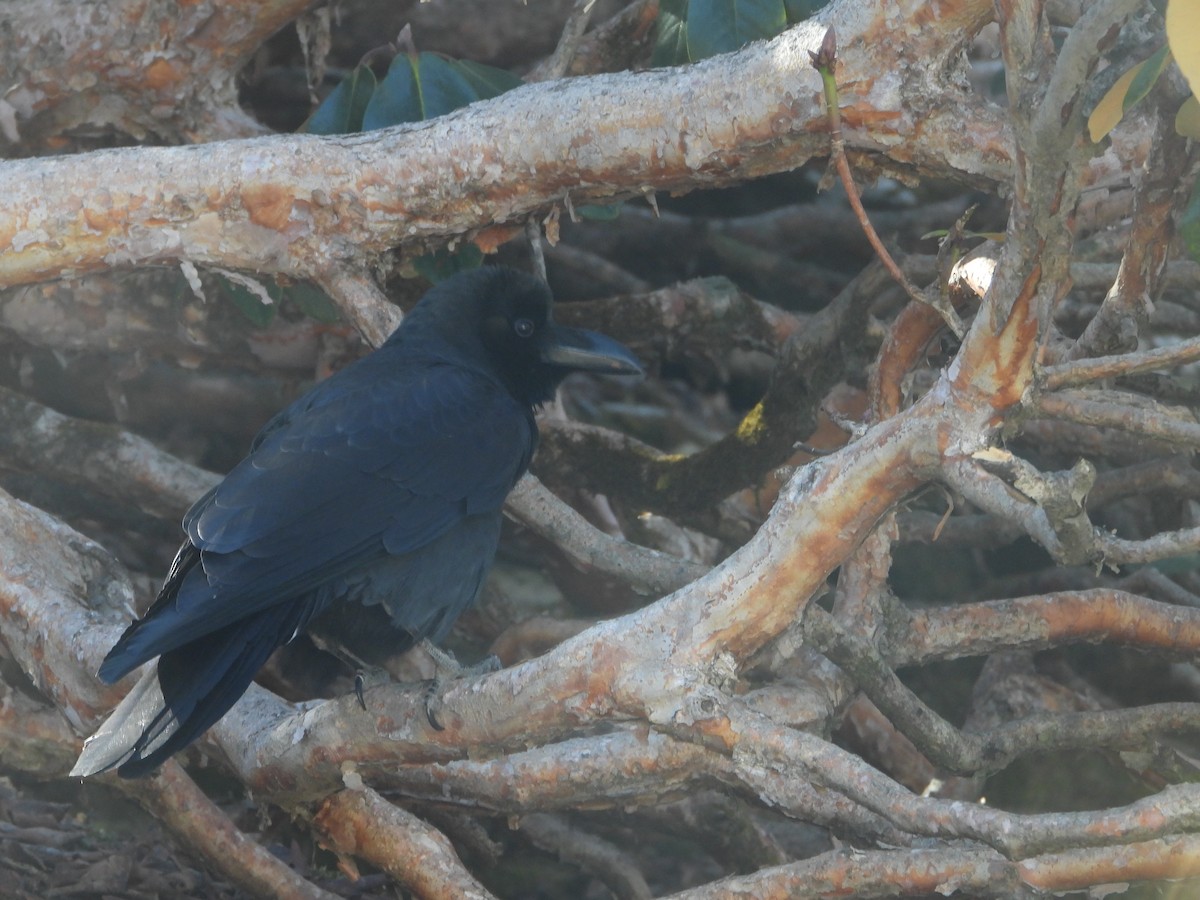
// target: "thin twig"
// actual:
[[533, 233], [1166, 545], [646, 570], [568, 43], [770, 750], [825, 61]]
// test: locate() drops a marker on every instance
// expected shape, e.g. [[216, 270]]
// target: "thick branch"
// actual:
[[362, 823], [160, 68], [983, 873], [1049, 620], [101, 456], [176, 800], [303, 204]]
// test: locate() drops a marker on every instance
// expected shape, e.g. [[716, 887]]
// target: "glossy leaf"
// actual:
[[721, 26], [598, 212], [1128, 90], [1146, 75], [342, 111], [670, 47], [1108, 111], [487, 81], [426, 86], [396, 99], [443, 87], [802, 10]]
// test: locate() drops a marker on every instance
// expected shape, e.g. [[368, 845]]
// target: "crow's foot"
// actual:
[[365, 678], [449, 669]]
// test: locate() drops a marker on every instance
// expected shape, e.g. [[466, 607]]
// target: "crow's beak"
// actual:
[[587, 351]]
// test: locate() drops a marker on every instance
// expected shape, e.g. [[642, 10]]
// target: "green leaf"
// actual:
[[443, 88], [1147, 75], [250, 305], [1189, 224], [487, 81], [670, 47], [1125, 92], [721, 26], [427, 86], [441, 264], [313, 302], [396, 99], [802, 10], [342, 111]]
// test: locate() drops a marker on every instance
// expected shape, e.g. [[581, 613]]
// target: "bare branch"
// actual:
[[763, 745], [1139, 282], [646, 570], [180, 85], [104, 457], [1074, 374], [359, 822], [1165, 545], [1049, 620], [811, 364], [174, 798], [303, 204], [358, 295], [615, 868], [1106, 411], [872, 873], [568, 45]]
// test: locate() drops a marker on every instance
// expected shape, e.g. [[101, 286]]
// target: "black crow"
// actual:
[[378, 491]]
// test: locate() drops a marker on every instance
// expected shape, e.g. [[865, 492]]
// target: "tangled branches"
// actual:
[[708, 630]]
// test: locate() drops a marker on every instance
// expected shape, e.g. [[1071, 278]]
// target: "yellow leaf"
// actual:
[[1108, 111], [1187, 120], [1183, 35]]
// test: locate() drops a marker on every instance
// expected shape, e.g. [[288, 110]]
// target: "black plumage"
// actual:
[[378, 491]]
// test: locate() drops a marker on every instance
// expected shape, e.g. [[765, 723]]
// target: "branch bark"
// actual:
[[306, 205], [179, 85]]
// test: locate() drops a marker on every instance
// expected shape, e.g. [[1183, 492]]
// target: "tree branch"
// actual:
[[360, 822], [180, 84], [303, 205]]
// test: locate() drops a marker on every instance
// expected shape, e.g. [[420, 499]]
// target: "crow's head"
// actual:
[[507, 314]]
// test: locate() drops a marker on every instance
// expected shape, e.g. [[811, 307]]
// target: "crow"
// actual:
[[373, 498]]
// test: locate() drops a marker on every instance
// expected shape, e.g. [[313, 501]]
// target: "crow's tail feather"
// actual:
[[188, 690]]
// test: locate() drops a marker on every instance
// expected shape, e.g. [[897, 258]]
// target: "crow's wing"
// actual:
[[381, 463]]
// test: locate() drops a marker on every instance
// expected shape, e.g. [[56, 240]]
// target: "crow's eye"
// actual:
[[524, 327]]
